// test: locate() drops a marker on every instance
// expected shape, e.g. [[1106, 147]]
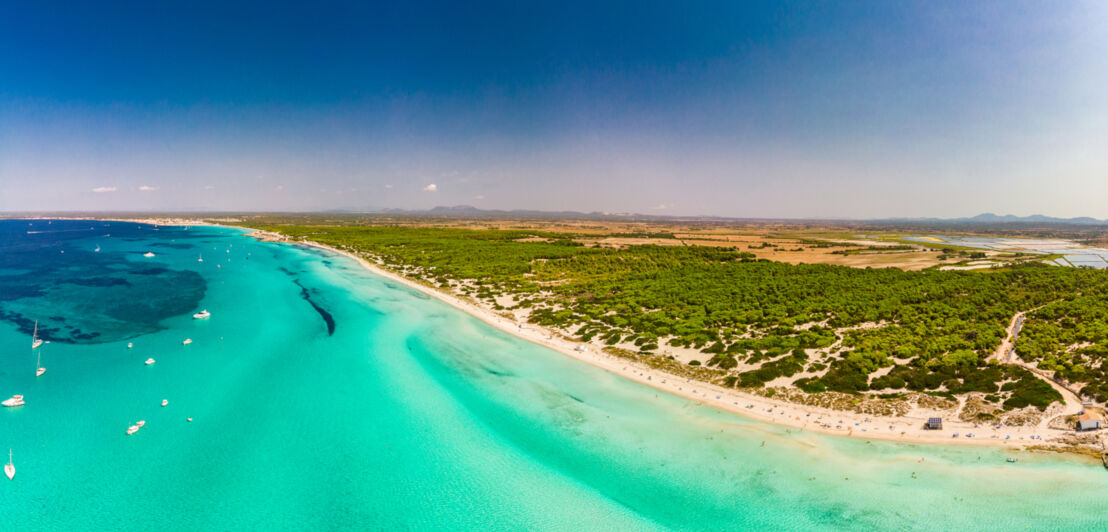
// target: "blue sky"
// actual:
[[774, 109]]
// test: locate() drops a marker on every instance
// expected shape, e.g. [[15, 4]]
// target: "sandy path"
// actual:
[[1006, 354]]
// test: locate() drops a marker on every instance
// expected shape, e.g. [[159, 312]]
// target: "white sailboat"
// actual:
[[39, 370], [9, 468], [35, 340], [97, 250], [201, 259]]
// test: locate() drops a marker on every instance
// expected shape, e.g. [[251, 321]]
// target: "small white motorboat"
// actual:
[[140, 423], [16, 400], [149, 362], [189, 419], [148, 254], [165, 402], [187, 341], [9, 468], [130, 345], [201, 315], [133, 429]]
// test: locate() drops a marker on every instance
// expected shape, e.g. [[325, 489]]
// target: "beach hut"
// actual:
[[1087, 422], [934, 423]]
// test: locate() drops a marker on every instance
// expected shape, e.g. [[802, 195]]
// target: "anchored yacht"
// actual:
[[35, 340], [201, 315], [16, 400]]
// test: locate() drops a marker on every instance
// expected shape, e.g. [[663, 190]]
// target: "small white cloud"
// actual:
[[103, 189], [279, 188], [660, 207], [209, 187], [388, 186], [430, 188], [479, 197], [147, 188]]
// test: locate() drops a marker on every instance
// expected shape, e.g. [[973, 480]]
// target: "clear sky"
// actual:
[[734, 108]]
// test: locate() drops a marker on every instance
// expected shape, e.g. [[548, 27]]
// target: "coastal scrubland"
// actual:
[[793, 242], [729, 315]]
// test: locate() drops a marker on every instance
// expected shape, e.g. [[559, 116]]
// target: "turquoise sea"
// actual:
[[325, 397]]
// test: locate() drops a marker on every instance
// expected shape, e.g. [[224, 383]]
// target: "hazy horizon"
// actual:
[[864, 110], [418, 211]]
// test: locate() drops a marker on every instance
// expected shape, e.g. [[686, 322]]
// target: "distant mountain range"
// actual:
[[471, 211], [990, 218]]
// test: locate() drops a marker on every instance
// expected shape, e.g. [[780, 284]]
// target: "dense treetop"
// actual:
[[926, 331]]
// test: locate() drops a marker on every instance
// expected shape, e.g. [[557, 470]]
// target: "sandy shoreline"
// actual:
[[905, 429]]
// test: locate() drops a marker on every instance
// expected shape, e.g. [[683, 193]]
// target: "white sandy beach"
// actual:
[[908, 428]]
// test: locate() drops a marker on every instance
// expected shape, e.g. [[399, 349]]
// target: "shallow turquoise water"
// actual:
[[411, 415]]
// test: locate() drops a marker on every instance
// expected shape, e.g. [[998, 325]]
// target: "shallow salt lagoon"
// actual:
[[408, 415], [1073, 254]]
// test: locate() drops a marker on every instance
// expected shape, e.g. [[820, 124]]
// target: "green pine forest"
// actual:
[[851, 330]]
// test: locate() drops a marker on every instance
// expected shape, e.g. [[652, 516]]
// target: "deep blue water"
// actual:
[[50, 272]]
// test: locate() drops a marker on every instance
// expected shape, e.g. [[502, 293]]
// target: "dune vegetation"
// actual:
[[817, 327]]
